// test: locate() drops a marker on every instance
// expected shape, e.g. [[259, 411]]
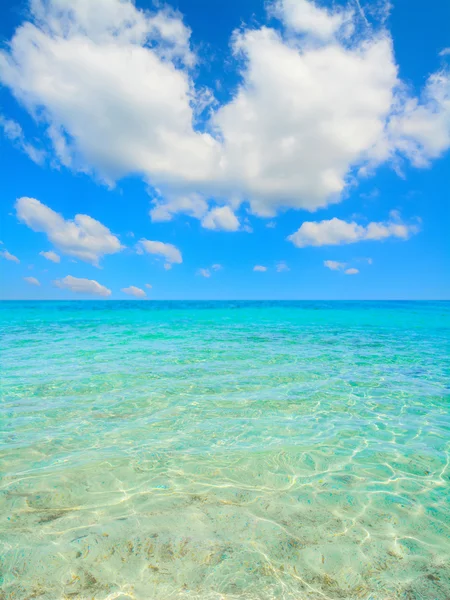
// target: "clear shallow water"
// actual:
[[225, 450]]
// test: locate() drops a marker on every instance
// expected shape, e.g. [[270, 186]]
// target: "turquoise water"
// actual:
[[225, 451]]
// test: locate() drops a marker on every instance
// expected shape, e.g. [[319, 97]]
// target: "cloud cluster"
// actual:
[[115, 89], [82, 286], [83, 237], [334, 232]]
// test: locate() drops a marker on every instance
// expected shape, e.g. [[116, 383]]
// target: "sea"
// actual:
[[154, 450]]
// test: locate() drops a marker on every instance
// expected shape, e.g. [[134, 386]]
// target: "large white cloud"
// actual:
[[83, 237], [319, 102], [82, 286], [335, 231], [109, 80]]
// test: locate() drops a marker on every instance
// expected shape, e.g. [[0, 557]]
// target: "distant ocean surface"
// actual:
[[225, 450]]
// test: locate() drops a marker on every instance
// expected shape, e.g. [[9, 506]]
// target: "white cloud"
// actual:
[[293, 132], [281, 267], [134, 291], [204, 273], [444, 52], [50, 255], [167, 251], [147, 285], [193, 205], [115, 89], [260, 268], [334, 265], [82, 286], [306, 17], [8, 256], [32, 281], [271, 225], [221, 218], [114, 86], [335, 232], [207, 272], [13, 131], [421, 131], [83, 237]]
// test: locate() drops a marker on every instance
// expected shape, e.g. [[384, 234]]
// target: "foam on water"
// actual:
[[225, 451]]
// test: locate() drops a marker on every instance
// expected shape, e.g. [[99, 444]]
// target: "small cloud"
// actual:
[[32, 281], [221, 218], [336, 232], [82, 286], [168, 251], [271, 225], [134, 291], [260, 268], [50, 255], [207, 272], [8, 256], [370, 195], [13, 131], [204, 272], [334, 265], [282, 267], [445, 52], [147, 285]]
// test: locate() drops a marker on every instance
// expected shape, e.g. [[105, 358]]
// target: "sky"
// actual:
[[225, 150]]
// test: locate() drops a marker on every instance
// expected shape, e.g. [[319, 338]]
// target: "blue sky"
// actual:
[[199, 140]]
